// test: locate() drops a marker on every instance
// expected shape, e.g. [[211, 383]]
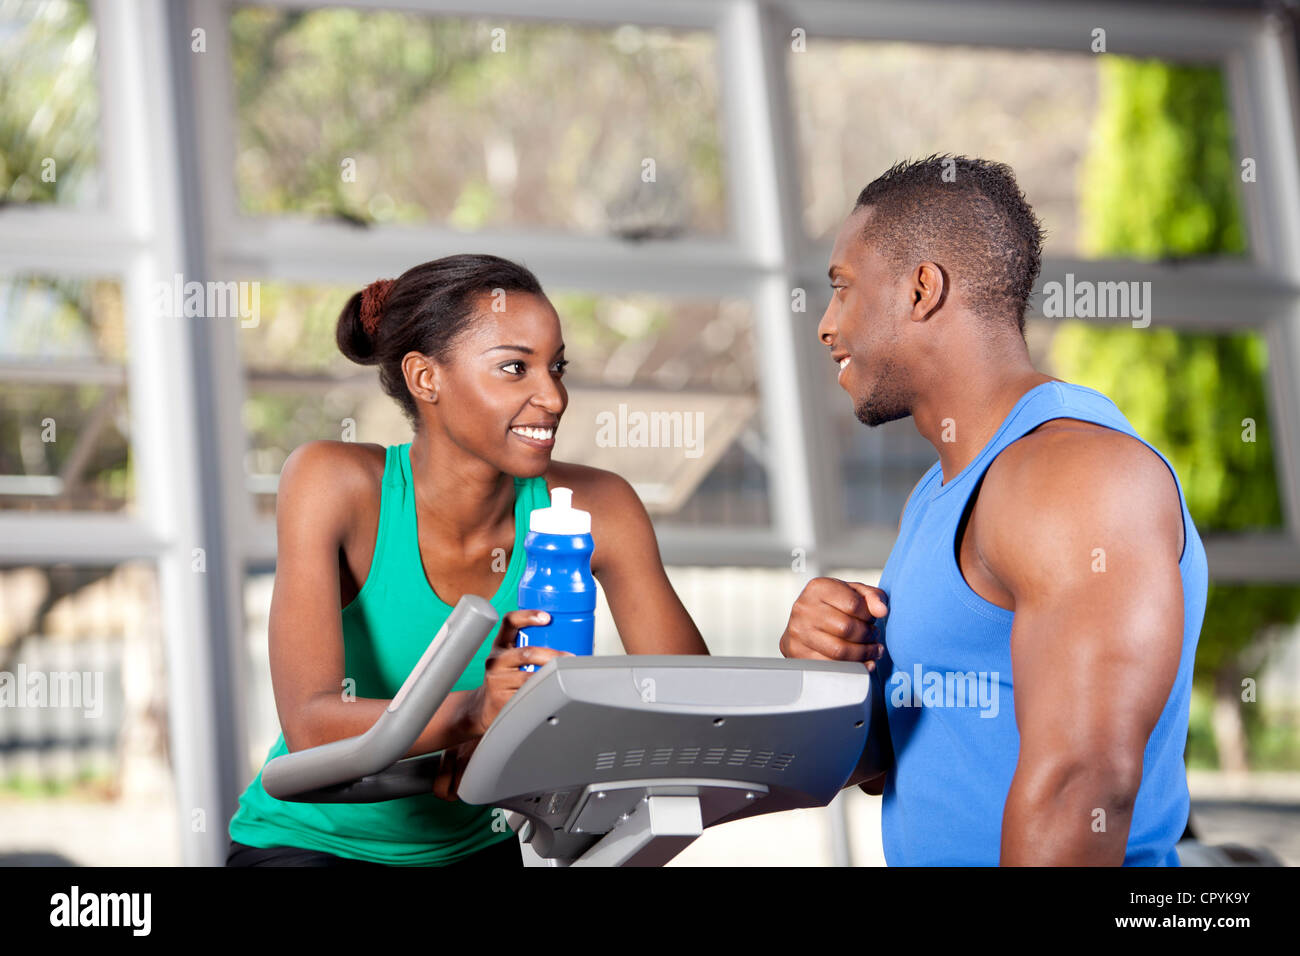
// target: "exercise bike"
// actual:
[[610, 761]]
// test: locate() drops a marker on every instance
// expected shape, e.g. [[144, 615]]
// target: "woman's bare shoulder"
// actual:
[[588, 482], [622, 528], [332, 474]]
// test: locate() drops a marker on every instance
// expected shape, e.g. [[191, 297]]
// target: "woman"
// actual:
[[471, 349]]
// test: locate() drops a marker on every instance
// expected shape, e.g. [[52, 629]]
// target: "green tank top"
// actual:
[[386, 628]]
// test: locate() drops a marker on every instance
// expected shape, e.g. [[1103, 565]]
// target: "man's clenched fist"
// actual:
[[834, 620]]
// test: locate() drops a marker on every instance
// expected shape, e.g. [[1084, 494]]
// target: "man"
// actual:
[[1036, 622]]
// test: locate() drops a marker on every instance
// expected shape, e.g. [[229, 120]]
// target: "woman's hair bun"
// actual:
[[373, 298], [352, 336]]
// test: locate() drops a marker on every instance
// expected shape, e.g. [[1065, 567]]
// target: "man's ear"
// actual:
[[423, 376], [929, 289]]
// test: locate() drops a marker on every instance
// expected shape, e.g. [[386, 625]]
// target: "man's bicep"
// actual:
[[1093, 665], [1097, 635]]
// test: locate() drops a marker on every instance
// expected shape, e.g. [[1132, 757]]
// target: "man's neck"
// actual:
[[965, 409]]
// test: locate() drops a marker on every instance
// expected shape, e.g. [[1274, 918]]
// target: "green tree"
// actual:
[[49, 144], [1160, 182]]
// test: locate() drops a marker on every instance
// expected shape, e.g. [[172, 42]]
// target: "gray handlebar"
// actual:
[[368, 767]]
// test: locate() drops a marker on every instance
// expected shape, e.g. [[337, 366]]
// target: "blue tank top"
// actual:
[[955, 739]]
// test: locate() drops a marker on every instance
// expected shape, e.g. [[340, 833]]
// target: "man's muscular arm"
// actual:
[[1094, 652]]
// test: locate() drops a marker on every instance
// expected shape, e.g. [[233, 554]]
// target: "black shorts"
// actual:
[[501, 855]]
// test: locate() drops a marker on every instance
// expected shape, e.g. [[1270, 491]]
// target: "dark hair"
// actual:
[[967, 215], [424, 310]]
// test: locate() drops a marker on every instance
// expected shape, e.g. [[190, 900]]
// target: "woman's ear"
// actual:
[[423, 376]]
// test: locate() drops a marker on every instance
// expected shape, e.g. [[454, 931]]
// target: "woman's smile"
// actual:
[[539, 435]]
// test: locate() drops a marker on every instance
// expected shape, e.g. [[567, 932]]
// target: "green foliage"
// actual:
[[596, 326], [1161, 181], [1160, 176], [1201, 753], [51, 102], [86, 782], [316, 87], [296, 330], [447, 120]]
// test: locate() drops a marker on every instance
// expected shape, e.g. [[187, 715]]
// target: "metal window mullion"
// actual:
[[75, 538], [169, 428], [756, 177], [158, 394], [763, 187], [297, 250], [1252, 556], [1283, 339], [1266, 94], [662, 13], [216, 373], [92, 242], [1066, 26]]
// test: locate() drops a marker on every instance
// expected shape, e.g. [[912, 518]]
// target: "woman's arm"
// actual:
[[650, 617], [320, 486]]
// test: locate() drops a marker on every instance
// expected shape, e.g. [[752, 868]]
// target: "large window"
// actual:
[[83, 716], [391, 117], [862, 106], [673, 173], [1126, 161], [64, 432]]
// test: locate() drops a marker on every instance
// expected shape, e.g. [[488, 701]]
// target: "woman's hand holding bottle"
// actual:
[[502, 676]]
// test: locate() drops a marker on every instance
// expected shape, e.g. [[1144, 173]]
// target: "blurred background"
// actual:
[[305, 150]]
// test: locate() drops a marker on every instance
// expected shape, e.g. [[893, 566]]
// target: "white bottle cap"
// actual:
[[561, 517]]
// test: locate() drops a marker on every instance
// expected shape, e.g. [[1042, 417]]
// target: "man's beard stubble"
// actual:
[[887, 402]]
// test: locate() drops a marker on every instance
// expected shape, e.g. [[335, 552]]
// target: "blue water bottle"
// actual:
[[557, 578]]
